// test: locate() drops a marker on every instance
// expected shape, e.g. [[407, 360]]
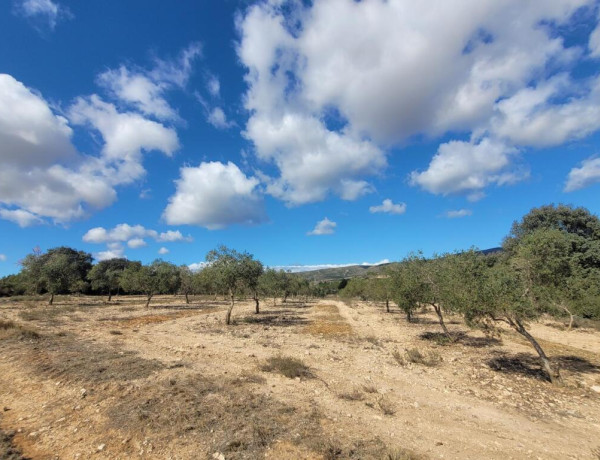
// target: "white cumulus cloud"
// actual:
[[2, 258], [163, 251], [215, 195], [389, 207], [125, 232], [218, 119], [135, 243], [323, 227], [584, 176], [399, 69], [41, 173], [468, 167]]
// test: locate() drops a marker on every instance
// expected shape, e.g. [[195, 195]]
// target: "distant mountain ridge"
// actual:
[[356, 271]]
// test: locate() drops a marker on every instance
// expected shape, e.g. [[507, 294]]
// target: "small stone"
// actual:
[[83, 392], [596, 388], [101, 447], [218, 456]]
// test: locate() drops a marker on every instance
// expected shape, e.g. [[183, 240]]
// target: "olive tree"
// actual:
[[159, 277], [106, 275], [251, 273], [380, 289], [489, 291], [187, 285], [58, 271], [234, 270], [407, 285]]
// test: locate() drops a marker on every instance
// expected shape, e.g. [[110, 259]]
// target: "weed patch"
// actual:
[[287, 366], [231, 419], [415, 356], [386, 406], [354, 395], [10, 329]]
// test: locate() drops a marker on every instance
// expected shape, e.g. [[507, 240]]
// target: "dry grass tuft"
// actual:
[[354, 395], [386, 406], [232, 419], [415, 356], [287, 366], [10, 329], [369, 388]]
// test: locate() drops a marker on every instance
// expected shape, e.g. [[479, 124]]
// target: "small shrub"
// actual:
[[398, 357], [287, 366], [438, 338], [386, 406], [373, 340], [369, 388], [331, 450], [428, 359]]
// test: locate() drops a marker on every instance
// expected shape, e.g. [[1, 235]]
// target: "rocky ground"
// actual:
[[90, 379]]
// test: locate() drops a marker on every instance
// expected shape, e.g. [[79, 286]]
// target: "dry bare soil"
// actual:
[[90, 379]]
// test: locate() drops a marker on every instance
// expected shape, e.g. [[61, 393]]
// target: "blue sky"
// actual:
[[306, 133]]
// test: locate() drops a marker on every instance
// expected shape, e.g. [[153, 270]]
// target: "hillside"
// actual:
[[338, 273], [355, 271]]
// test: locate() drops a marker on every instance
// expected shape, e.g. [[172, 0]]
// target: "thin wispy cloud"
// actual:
[[457, 213]]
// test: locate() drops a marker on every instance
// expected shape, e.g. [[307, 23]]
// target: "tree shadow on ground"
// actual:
[[529, 365], [460, 338], [183, 307], [279, 320]]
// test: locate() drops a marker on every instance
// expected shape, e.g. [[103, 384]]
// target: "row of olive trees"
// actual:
[[228, 272], [550, 264]]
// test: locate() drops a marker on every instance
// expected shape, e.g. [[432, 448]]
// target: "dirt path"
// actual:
[[119, 381]]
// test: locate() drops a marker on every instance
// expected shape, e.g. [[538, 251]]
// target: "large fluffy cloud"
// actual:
[[126, 135], [41, 173], [468, 167], [215, 195], [331, 78]]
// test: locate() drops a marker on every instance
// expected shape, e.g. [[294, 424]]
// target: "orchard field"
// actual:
[[306, 379]]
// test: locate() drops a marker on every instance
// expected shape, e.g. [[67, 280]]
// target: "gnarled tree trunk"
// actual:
[[438, 312], [257, 307], [387, 305], [51, 301], [149, 297], [230, 309], [187, 299], [570, 317], [553, 374], [109, 295]]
